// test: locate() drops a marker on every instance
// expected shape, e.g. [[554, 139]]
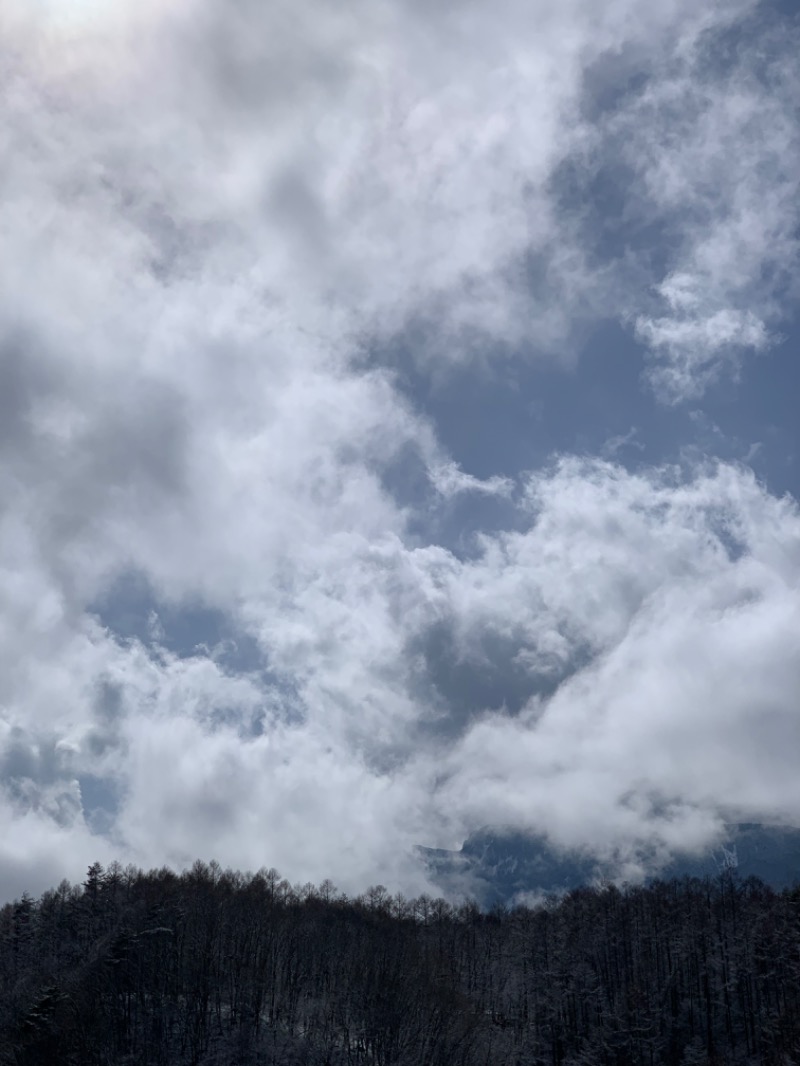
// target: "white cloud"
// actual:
[[449, 480], [379, 160], [653, 618], [670, 607], [213, 219], [717, 146], [696, 347]]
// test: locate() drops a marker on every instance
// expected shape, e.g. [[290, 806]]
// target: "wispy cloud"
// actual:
[[449, 480], [717, 146]]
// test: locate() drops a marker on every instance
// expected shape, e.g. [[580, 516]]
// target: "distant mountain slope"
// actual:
[[498, 867]]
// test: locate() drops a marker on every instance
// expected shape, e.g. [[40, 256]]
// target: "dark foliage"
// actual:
[[212, 968]]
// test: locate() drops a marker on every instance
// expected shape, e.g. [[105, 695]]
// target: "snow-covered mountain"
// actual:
[[502, 867]]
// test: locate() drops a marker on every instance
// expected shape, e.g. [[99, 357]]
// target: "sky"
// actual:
[[398, 430]]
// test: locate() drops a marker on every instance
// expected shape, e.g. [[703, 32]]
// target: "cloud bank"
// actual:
[[230, 237]]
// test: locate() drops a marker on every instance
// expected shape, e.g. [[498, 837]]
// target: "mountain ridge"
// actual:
[[501, 867]]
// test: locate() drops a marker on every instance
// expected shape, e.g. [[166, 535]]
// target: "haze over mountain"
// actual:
[[398, 431], [508, 868]]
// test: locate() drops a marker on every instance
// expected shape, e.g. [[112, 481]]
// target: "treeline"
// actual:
[[214, 968]]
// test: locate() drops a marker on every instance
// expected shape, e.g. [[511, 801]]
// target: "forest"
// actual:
[[213, 967]]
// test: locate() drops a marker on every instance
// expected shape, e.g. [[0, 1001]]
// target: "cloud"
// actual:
[[667, 606], [716, 145], [648, 621], [229, 237], [614, 445], [449, 480], [379, 166]]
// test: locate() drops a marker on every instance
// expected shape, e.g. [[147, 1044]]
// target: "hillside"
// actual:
[[216, 968]]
